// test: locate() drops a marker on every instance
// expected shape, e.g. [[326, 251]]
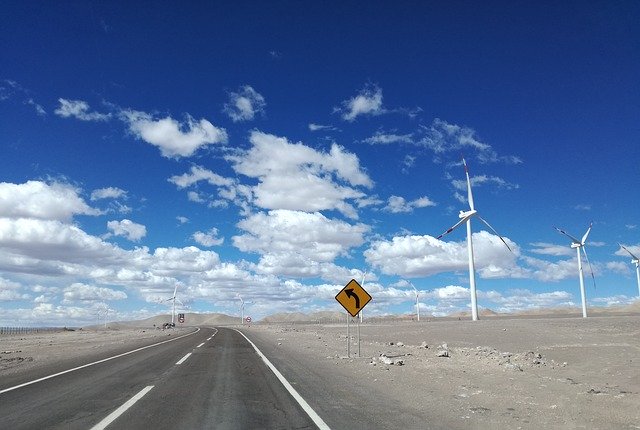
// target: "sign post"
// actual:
[[353, 299]]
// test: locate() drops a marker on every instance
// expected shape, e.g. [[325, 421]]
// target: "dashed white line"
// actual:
[[121, 410], [200, 345], [95, 362], [183, 359], [298, 398]]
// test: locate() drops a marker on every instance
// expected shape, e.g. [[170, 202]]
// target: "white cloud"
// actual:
[[551, 249], [319, 127], [199, 174], [39, 109], [397, 204], [382, 138], [182, 219], [209, 238], [36, 199], [245, 104], [295, 177], [442, 137], [108, 193], [297, 243], [174, 139], [80, 110], [83, 292], [194, 196], [413, 256], [367, 102], [461, 184], [127, 229], [10, 291]]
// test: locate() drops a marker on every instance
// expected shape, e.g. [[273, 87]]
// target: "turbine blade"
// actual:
[[497, 234], [584, 238], [568, 235], [453, 228], [590, 269], [633, 256], [175, 290], [466, 171]]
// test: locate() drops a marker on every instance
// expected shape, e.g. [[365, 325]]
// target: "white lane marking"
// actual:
[[95, 362], [298, 398], [200, 345], [183, 359], [121, 410]]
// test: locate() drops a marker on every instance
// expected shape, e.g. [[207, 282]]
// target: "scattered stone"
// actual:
[[424, 345], [399, 344], [443, 351], [513, 366]]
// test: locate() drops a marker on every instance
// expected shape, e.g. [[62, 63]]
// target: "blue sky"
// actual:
[[276, 150]]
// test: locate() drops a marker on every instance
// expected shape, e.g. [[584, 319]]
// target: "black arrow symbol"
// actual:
[[349, 292]]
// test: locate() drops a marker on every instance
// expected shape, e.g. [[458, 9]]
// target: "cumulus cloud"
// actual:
[[296, 177], [244, 104], [545, 248], [127, 229], [80, 110], [297, 243], [397, 204], [36, 199], [367, 102], [10, 291], [108, 193], [413, 256], [198, 174], [83, 292], [174, 139], [209, 238]]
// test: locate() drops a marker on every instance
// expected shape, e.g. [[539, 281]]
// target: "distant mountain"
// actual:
[[191, 319]]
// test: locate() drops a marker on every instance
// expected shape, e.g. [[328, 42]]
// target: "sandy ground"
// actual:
[[499, 373], [494, 373]]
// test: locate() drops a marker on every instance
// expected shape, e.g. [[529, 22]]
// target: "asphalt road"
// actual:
[[210, 379]]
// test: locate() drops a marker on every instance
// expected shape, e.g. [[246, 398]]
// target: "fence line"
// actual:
[[28, 330]]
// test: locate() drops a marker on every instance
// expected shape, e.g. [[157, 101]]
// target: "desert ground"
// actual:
[[500, 372]]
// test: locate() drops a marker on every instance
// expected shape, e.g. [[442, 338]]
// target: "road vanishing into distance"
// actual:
[[209, 378]]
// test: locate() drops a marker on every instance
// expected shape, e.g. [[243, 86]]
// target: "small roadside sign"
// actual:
[[180, 318], [248, 319], [353, 298]]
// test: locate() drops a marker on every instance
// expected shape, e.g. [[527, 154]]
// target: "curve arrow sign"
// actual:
[[353, 298], [349, 292]]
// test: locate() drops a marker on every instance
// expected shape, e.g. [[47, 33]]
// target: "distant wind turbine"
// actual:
[[635, 261], [578, 245], [465, 216], [173, 312], [242, 303], [417, 302]]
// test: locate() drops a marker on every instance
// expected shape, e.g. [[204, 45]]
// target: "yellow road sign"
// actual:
[[353, 298]]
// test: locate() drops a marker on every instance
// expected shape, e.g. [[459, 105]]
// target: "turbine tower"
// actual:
[[465, 216], [635, 261], [417, 302], [578, 245], [241, 309], [173, 312]]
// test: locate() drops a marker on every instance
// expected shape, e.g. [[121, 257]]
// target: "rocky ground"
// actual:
[[495, 373]]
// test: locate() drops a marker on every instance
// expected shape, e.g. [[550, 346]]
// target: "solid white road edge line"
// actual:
[[298, 398], [183, 359], [121, 410], [94, 363]]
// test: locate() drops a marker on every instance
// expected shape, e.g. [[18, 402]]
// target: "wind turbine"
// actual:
[[578, 245], [242, 309], [635, 261], [417, 302], [364, 274], [465, 216], [173, 312]]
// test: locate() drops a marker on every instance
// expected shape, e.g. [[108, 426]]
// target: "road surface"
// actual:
[[212, 378]]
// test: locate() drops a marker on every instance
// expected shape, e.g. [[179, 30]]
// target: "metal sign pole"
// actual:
[[348, 338], [358, 338]]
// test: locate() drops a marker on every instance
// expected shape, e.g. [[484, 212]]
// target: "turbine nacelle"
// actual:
[[467, 214]]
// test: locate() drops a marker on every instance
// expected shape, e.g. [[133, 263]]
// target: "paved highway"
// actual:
[[211, 378]]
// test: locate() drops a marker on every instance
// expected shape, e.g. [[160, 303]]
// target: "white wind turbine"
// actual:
[[417, 300], [173, 312], [578, 245], [635, 261], [242, 303], [465, 216]]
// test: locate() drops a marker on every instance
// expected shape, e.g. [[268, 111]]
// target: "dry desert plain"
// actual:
[[496, 373]]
